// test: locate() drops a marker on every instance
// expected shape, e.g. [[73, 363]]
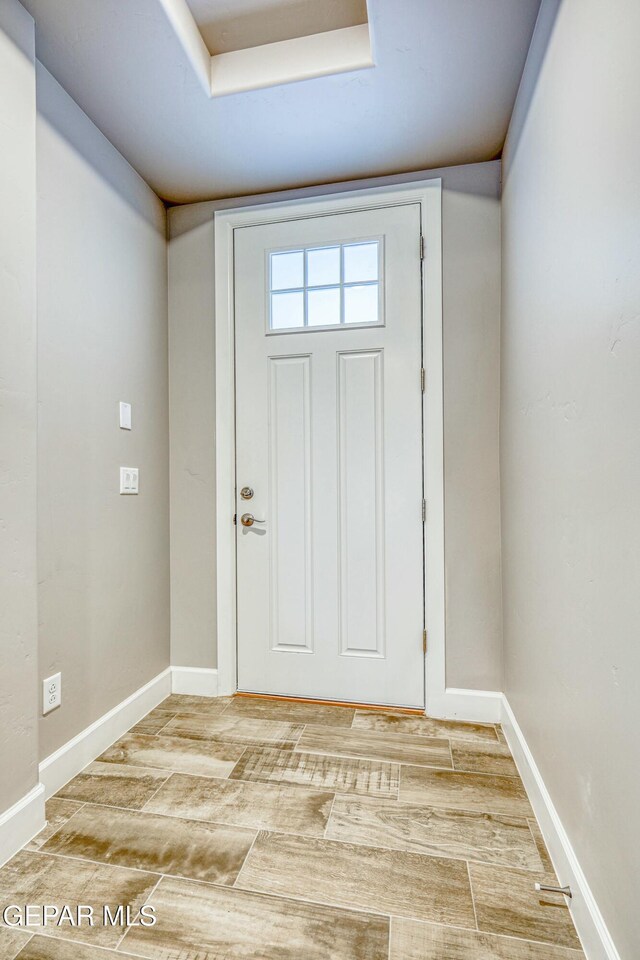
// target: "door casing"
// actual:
[[428, 193]]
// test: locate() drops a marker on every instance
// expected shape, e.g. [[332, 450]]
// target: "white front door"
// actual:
[[329, 445]]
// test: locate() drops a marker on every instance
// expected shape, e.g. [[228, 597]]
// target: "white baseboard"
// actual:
[[476, 706], [59, 767], [20, 823], [197, 681], [589, 922]]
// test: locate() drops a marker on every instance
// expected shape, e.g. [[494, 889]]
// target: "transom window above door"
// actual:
[[337, 285]]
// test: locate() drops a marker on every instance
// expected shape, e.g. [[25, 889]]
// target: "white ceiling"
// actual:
[[237, 24], [441, 93]]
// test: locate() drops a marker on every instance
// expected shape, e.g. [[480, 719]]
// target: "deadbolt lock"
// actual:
[[246, 493]]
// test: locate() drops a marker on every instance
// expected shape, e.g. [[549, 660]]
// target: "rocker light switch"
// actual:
[[128, 479], [125, 416]]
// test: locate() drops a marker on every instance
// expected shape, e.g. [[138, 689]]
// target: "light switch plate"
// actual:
[[51, 693], [125, 415], [129, 479]]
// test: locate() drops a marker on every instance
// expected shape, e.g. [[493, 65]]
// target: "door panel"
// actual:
[[329, 436], [290, 559], [361, 554]]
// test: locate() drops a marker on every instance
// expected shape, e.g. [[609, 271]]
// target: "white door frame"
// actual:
[[427, 193]]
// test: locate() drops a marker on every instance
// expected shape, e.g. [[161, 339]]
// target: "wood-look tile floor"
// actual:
[[272, 830]]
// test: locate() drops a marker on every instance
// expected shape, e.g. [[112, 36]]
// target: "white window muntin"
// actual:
[[345, 287]]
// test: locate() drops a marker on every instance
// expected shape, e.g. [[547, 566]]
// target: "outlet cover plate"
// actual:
[[51, 693]]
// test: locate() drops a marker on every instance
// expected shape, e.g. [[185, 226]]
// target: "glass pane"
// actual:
[[361, 304], [323, 307], [287, 310], [287, 270], [361, 262], [323, 266]]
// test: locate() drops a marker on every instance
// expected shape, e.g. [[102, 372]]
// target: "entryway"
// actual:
[[329, 455]]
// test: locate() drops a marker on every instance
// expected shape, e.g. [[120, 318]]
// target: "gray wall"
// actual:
[[571, 435], [102, 337], [471, 337], [471, 238], [18, 594]]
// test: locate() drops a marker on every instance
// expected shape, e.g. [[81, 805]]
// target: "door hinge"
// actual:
[[421, 247], [424, 510], [422, 379], [424, 641]]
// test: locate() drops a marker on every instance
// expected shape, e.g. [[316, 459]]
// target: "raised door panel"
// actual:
[[361, 551], [290, 555]]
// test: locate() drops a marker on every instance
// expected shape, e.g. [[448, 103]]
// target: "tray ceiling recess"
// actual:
[[239, 45]]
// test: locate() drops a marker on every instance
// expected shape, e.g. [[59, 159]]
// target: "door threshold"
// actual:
[[332, 703]]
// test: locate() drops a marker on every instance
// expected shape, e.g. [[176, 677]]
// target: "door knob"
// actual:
[[248, 520]]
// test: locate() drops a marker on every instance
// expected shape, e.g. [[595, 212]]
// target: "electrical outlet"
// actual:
[[51, 693]]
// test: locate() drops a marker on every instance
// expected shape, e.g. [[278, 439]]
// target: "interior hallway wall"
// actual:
[[571, 434], [102, 337], [471, 250], [18, 577]]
